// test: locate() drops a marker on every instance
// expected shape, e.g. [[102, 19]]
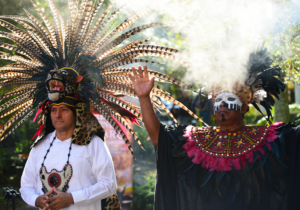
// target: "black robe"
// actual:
[[178, 188]]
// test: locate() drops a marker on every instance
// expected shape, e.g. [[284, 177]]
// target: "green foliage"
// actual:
[[23, 146], [10, 175], [145, 140], [144, 199], [294, 107], [285, 45], [295, 112], [253, 117], [144, 172]]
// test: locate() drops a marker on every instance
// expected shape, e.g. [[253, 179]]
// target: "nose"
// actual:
[[57, 114], [223, 104]]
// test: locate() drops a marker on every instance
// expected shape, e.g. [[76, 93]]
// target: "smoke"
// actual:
[[218, 35]]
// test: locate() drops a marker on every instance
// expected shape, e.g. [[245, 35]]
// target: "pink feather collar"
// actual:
[[220, 151]]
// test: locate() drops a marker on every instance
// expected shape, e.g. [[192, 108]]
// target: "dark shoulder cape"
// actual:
[[291, 135], [182, 184], [171, 193]]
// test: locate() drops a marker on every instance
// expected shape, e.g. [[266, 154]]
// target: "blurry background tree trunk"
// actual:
[[282, 111]]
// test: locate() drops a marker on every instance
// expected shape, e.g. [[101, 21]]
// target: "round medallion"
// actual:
[[54, 180]]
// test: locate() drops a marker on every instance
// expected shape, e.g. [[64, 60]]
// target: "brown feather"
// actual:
[[16, 107], [117, 128]]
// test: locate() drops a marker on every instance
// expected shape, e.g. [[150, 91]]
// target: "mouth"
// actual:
[[56, 86], [222, 111]]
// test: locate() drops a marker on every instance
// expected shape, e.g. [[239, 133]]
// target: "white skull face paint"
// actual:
[[232, 101]]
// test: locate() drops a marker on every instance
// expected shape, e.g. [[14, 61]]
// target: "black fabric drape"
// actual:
[[171, 193], [177, 192], [292, 138]]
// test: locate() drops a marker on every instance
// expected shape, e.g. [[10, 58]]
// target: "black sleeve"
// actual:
[[292, 138], [172, 192], [165, 191]]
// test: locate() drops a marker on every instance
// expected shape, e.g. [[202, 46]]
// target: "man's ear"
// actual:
[[79, 78], [245, 108]]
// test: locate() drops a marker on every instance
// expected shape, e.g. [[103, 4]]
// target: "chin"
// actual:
[[60, 129]]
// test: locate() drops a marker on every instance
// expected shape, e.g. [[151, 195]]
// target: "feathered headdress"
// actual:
[[261, 84], [81, 60]]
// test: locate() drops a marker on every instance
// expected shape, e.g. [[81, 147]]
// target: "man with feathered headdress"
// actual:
[[62, 72], [232, 166]]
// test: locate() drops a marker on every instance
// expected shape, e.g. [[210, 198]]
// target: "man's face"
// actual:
[[229, 109], [62, 118]]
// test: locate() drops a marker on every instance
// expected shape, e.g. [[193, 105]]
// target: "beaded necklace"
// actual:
[[54, 178]]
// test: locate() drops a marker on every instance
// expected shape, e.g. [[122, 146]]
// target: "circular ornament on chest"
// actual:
[[54, 178]]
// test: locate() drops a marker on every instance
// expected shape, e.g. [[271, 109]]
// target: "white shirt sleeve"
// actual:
[[29, 180], [103, 170]]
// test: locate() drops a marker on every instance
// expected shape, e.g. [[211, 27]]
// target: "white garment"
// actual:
[[93, 176]]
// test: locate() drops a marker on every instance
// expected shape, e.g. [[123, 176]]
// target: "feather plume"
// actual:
[[87, 42]]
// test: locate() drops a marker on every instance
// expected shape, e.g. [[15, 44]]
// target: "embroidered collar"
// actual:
[[220, 151], [228, 144]]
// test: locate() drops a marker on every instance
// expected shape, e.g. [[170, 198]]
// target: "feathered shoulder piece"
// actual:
[[80, 59], [263, 79]]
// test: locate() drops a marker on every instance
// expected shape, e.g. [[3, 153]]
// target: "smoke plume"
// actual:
[[218, 35]]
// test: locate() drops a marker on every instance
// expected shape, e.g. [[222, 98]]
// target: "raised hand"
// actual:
[[142, 84]]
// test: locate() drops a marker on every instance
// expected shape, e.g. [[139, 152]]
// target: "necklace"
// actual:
[[58, 179]]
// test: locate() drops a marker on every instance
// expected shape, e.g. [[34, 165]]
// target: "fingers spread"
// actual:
[[146, 72], [131, 77], [134, 73], [140, 72]]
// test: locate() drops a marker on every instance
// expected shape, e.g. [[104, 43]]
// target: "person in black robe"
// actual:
[[228, 167]]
